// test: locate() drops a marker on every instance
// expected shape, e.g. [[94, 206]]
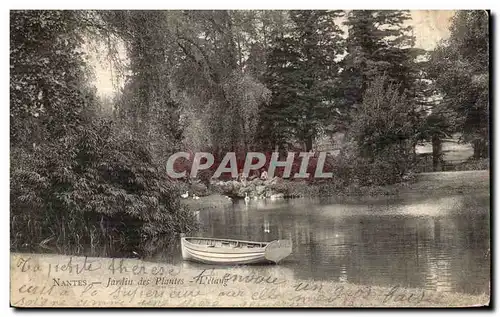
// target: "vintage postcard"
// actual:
[[249, 158]]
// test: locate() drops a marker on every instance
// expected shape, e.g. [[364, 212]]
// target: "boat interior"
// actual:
[[215, 243]]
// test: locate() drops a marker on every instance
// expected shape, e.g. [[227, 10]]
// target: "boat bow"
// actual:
[[278, 250]]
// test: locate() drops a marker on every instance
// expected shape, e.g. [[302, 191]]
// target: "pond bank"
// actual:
[[440, 182]]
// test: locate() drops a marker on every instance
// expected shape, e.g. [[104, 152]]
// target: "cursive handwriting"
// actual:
[[90, 282], [76, 268], [120, 267], [253, 278], [398, 295], [26, 265]]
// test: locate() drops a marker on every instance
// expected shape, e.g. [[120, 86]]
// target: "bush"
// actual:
[[473, 165], [89, 188], [382, 132]]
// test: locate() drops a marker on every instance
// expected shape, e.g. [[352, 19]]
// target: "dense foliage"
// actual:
[[383, 134], [378, 43], [49, 94], [460, 68], [91, 186], [75, 179]]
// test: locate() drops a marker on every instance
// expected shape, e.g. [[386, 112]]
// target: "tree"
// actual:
[[436, 126], [302, 69], [382, 132], [460, 68], [49, 94], [378, 43], [146, 104], [75, 179], [267, 25]]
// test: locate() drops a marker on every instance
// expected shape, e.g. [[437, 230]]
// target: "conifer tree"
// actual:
[[379, 43], [302, 69]]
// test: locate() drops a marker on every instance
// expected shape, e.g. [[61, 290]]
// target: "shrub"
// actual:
[[382, 132], [91, 187]]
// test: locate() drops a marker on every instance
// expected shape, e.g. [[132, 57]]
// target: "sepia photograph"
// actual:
[[250, 158]]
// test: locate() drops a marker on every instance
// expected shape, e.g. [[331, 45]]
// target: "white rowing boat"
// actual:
[[227, 251]]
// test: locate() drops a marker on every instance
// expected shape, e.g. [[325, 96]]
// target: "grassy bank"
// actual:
[[441, 182], [444, 182]]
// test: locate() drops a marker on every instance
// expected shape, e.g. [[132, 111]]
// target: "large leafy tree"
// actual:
[[75, 179], [460, 68], [216, 45], [146, 105], [49, 94]]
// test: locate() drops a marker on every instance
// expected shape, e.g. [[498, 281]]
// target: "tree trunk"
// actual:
[[414, 151], [437, 147], [480, 149], [308, 143], [282, 151]]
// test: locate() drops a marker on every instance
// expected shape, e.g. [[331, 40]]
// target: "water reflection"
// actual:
[[437, 244]]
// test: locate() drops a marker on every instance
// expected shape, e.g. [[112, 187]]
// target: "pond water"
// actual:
[[439, 243]]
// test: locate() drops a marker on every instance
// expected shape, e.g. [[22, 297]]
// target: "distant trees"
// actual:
[[199, 62], [460, 68], [381, 72], [146, 106], [292, 74]]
